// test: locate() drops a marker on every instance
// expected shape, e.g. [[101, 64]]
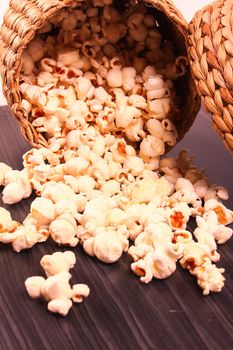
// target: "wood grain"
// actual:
[[120, 313]]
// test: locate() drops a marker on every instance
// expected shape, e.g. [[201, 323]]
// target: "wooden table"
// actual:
[[121, 312]]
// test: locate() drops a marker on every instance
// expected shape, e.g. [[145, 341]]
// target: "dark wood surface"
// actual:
[[121, 312]]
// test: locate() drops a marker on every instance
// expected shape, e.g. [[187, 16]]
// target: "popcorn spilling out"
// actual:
[[56, 289], [102, 94]]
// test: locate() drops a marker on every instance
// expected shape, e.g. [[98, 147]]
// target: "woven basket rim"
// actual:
[[210, 54], [18, 29]]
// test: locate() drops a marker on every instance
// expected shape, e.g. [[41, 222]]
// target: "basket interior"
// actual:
[[186, 94]]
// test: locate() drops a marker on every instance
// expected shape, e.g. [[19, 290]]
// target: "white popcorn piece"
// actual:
[[160, 263], [135, 165], [205, 237], [34, 94], [85, 184], [84, 89], [114, 77], [25, 238], [43, 210], [58, 262], [151, 146], [183, 237], [111, 187], [108, 246], [5, 220], [209, 277], [210, 225], [63, 232], [116, 217], [146, 189], [60, 306], [126, 116], [57, 192], [13, 193], [4, 168], [225, 216], [76, 166], [80, 292], [95, 213], [33, 285], [195, 254], [128, 78], [179, 215]]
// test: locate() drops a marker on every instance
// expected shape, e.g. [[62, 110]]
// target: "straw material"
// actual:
[[25, 17], [211, 57]]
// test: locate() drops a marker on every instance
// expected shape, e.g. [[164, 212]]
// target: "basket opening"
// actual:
[[171, 46]]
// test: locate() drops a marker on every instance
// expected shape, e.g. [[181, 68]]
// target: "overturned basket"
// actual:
[[23, 19], [211, 56]]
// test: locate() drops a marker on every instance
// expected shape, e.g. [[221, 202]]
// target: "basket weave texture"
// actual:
[[22, 20], [211, 56]]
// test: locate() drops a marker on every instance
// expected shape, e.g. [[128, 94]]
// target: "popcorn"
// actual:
[[34, 94], [80, 292], [108, 246], [58, 262], [62, 232], [12, 193], [210, 225], [195, 254], [76, 166], [114, 77], [5, 220], [151, 147], [146, 189], [224, 215], [25, 238], [57, 192], [179, 215], [17, 187], [43, 210], [209, 277], [160, 263]]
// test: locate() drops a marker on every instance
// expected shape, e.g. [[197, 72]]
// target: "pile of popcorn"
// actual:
[[101, 93]]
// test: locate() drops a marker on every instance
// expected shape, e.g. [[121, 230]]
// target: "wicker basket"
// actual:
[[25, 17], [211, 57]]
